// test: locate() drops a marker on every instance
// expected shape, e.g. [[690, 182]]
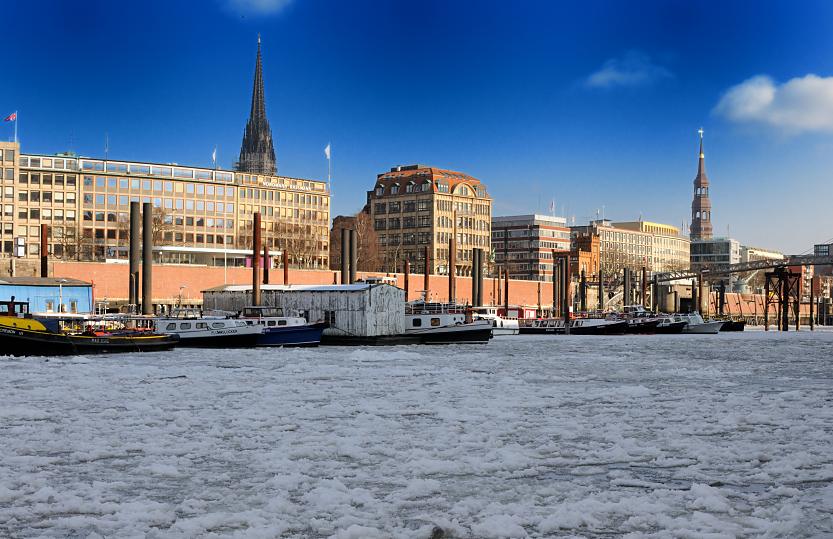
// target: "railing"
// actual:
[[795, 260]]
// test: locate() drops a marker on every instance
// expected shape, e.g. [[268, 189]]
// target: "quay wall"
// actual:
[[110, 281]]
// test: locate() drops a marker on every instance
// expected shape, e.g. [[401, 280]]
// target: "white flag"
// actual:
[[214, 155], [327, 151]]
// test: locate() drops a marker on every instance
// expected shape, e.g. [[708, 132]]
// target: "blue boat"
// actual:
[[280, 330]]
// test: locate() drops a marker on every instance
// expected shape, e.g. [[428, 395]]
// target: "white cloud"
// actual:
[[800, 104], [257, 7], [634, 68]]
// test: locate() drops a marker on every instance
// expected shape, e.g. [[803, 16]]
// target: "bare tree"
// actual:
[[368, 248]]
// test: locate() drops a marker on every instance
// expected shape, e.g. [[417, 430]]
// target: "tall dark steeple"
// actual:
[[701, 206], [257, 155]]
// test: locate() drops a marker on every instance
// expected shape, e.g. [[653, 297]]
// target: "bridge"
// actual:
[[743, 267]]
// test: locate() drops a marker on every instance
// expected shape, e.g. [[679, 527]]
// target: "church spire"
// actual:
[[701, 206], [257, 154]]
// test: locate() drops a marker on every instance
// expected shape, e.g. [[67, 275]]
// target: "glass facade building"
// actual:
[[206, 212]]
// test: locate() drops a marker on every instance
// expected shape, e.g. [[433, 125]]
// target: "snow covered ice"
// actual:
[[675, 436]]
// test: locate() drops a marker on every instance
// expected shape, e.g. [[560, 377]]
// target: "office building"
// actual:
[[670, 250], [714, 253], [524, 244], [201, 215], [414, 206], [635, 244]]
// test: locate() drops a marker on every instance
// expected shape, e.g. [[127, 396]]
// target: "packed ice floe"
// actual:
[[676, 436]]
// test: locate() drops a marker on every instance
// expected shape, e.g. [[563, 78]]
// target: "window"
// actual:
[[380, 190], [218, 325], [202, 325], [171, 326], [435, 322], [185, 325], [394, 189]]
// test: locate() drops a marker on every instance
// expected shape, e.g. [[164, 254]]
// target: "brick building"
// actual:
[[414, 206]]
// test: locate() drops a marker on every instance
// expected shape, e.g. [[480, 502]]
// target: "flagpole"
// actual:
[[15, 127], [329, 168]]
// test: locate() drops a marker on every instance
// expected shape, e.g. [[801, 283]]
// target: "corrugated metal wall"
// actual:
[[373, 311]]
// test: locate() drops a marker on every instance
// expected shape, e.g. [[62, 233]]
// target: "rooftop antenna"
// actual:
[[106, 145]]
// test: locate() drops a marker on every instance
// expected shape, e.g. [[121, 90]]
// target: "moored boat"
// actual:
[[194, 329], [440, 323], [734, 325], [22, 334], [696, 325], [280, 330], [579, 326], [668, 326], [500, 325]]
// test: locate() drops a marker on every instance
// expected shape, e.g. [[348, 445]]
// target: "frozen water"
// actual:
[[684, 436]]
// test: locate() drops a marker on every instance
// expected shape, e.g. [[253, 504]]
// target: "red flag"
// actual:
[[11, 117]]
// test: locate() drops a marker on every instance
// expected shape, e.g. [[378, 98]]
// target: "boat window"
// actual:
[[270, 323], [435, 322], [281, 322], [249, 323], [171, 326], [202, 325], [416, 322], [218, 325], [185, 325]]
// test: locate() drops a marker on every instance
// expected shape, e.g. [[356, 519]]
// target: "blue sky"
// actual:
[[594, 104]]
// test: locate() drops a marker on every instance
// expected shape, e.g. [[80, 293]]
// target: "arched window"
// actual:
[[394, 189], [409, 188], [380, 190]]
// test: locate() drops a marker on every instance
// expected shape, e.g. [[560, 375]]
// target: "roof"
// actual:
[[42, 281], [420, 174], [357, 287]]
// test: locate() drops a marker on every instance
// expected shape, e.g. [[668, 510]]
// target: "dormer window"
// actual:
[[410, 187], [380, 190], [394, 189]]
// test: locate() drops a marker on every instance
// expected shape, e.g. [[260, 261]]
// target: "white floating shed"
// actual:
[[355, 310]]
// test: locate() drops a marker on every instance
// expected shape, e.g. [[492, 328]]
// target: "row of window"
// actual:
[[397, 207], [45, 197], [410, 187], [100, 235], [25, 178], [102, 183], [44, 214], [113, 201]]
